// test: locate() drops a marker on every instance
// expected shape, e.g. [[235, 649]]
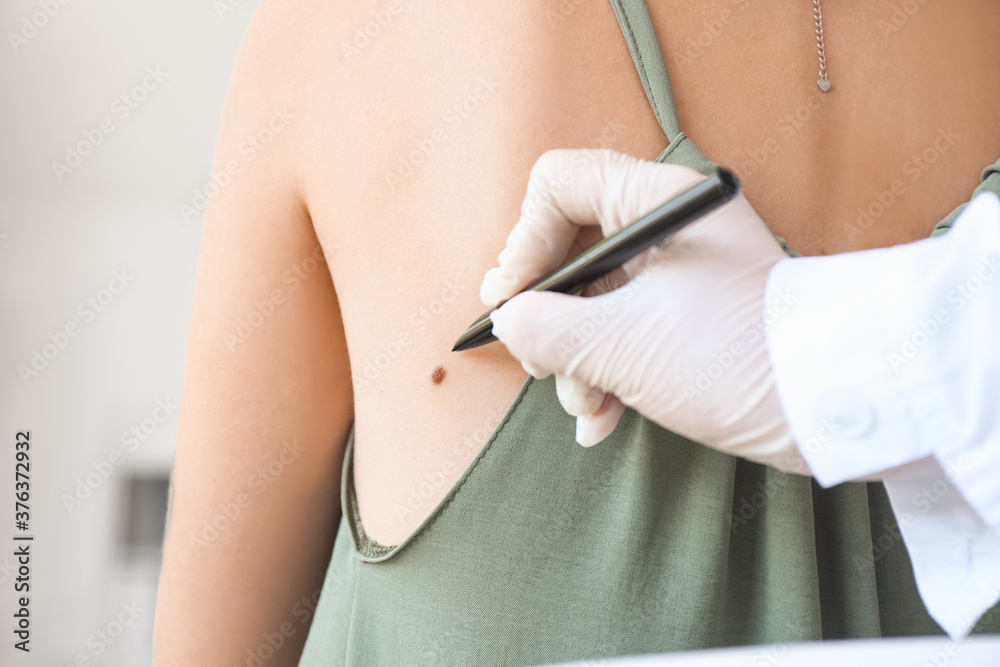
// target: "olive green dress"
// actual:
[[545, 551]]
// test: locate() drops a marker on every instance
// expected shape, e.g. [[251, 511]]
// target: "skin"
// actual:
[[407, 254]]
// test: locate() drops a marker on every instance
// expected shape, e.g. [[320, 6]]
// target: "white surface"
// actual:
[[922, 652]]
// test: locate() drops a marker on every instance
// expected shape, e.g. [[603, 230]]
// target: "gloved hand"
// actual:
[[678, 335]]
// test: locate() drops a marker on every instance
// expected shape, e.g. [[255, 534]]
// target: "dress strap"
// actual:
[[637, 26]]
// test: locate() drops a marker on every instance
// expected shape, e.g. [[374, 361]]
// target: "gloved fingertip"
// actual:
[[504, 255], [587, 433], [513, 336], [535, 371], [594, 428], [607, 401], [577, 397], [495, 287], [497, 317]]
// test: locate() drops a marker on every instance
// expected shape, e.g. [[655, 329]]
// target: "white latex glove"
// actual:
[[682, 342]]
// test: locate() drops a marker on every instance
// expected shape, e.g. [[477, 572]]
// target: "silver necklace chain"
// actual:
[[823, 82]]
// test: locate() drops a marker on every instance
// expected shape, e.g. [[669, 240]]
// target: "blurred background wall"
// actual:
[[110, 110]]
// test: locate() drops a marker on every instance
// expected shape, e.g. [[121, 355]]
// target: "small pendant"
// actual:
[[824, 84]]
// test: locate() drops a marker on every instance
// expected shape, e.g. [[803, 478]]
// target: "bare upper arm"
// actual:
[[266, 353], [267, 399]]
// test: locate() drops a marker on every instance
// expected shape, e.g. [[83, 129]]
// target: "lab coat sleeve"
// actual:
[[887, 363]]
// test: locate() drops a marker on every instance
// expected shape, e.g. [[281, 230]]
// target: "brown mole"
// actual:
[[438, 375]]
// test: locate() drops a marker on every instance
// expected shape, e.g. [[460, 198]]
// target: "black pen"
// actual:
[[610, 253]]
